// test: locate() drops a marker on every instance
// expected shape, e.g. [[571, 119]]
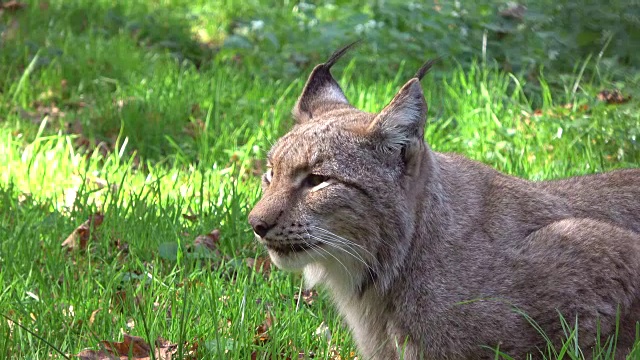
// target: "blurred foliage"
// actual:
[[118, 69], [521, 38]]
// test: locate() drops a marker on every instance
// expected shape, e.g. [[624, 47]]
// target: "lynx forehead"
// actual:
[[434, 256]]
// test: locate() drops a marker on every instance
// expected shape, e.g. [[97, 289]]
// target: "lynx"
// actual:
[[430, 255]]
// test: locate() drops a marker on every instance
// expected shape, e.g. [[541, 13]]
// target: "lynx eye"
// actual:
[[267, 176], [313, 180]]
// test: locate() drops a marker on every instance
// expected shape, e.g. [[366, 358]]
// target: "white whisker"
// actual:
[[311, 245], [328, 236], [314, 246], [336, 244], [345, 241]]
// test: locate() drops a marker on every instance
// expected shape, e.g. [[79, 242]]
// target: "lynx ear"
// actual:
[[321, 91], [402, 121]]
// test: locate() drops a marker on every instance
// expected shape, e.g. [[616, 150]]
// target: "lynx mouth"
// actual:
[[290, 248]]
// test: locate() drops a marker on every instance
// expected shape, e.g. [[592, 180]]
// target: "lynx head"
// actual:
[[338, 193]]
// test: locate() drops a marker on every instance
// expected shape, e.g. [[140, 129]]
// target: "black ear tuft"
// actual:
[[339, 53], [321, 92], [424, 69]]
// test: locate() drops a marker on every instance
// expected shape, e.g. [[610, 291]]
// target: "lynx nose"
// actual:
[[259, 226]]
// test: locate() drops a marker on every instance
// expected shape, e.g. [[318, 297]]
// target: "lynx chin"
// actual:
[[435, 256]]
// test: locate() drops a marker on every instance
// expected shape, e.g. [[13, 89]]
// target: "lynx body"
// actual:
[[435, 256]]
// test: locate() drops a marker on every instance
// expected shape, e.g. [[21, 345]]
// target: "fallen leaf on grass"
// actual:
[[132, 347], [334, 354], [581, 108], [301, 355], [261, 264], [203, 247], [190, 217], [262, 331], [88, 354], [613, 97], [79, 238], [308, 296], [12, 5], [92, 318], [194, 128], [560, 111], [209, 240], [121, 246], [99, 182]]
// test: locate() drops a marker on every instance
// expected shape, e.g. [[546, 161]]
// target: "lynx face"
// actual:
[[318, 195], [336, 190]]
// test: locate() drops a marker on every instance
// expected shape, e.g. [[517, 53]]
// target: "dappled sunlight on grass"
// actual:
[[158, 116]]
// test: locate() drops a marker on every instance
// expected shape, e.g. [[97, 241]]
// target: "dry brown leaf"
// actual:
[[581, 108], [120, 246], [565, 110], [98, 182], [80, 237], [92, 318], [301, 355], [88, 354], [613, 97], [308, 296], [209, 240], [334, 354], [261, 264], [135, 346], [12, 5], [262, 331], [194, 128], [132, 347], [190, 217]]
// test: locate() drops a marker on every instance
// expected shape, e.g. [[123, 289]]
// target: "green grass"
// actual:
[[169, 109]]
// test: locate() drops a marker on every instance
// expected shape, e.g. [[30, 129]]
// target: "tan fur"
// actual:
[[434, 255]]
